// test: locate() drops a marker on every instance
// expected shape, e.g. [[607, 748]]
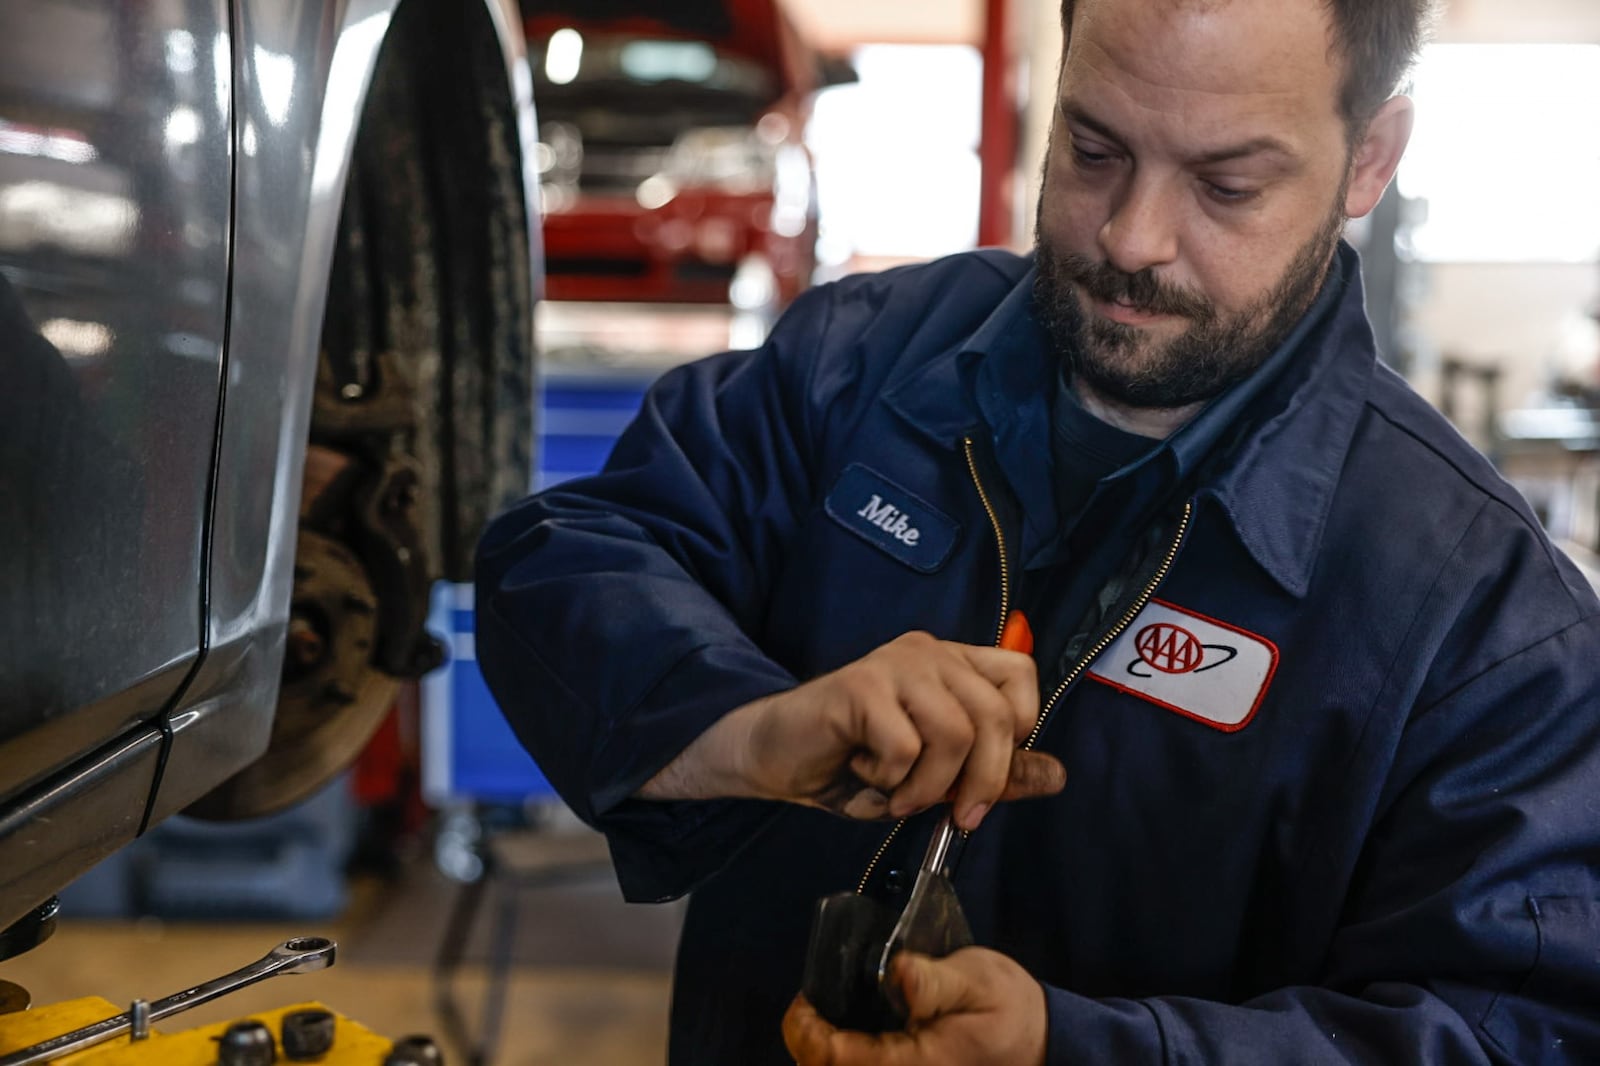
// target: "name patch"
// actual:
[[891, 519], [1210, 671]]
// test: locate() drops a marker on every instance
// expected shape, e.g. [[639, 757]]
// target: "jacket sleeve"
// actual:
[[1472, 934], [615, 613]]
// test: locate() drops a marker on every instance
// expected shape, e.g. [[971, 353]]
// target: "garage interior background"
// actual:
[[1491, 243]]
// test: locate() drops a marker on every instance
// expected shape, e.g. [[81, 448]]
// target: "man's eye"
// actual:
[[1089, 157], [1226, 194]]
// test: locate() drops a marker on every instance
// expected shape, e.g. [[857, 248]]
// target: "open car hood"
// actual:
[[753, 29]]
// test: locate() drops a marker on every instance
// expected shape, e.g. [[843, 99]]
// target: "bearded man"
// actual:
[[1311, 730]]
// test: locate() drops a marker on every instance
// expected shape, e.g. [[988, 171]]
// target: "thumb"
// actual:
[[932, 987], [1034, 774]]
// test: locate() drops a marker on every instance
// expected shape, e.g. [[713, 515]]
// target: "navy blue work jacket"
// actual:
[[1333, 788]]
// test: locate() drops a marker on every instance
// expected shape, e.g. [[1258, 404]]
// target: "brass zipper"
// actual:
[[999, 539], [1005, 609], [1115, 631]]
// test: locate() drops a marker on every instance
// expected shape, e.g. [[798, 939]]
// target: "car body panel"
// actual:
[[294, 170], [115, 186], [302, 71], [82, 816]]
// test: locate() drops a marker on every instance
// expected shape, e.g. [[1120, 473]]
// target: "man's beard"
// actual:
[[1124, 365]]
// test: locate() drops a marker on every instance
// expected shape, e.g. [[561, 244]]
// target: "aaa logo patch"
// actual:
[[1199, 667]]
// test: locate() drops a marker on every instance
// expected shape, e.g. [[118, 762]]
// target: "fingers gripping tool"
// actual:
[[854, 939]]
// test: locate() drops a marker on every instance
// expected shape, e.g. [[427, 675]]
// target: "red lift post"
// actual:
[[997, 147]]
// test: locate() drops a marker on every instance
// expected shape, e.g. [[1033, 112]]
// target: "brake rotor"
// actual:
[[333, 694], [332, 699]]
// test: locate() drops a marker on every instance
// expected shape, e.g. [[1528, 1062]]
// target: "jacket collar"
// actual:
[[1281, 450], [1283, 466], [941, 397]]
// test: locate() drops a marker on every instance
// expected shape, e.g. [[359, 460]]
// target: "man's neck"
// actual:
[[1157, 423]]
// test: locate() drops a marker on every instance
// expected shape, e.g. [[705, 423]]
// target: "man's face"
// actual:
[[1195, 188]]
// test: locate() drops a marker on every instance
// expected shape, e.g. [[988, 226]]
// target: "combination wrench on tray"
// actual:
[[300, 955]]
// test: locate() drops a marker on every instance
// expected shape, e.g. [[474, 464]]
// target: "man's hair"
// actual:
[[1378, 40]]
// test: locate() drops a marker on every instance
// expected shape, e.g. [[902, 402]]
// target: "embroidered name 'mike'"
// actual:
[[891, 520]]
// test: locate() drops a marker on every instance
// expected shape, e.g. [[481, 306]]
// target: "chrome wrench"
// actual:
[[301, 955], [931, 923]]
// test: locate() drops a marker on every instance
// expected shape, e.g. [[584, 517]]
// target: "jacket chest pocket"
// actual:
[[873, 562]]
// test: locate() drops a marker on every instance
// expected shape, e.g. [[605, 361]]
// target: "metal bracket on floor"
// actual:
[[513, 861]]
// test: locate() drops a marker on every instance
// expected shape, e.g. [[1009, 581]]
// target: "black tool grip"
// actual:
[[848, 933]]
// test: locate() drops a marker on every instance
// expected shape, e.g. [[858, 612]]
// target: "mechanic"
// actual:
[[1325, 696]]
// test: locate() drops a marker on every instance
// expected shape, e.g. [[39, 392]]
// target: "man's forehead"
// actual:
[[1208, 61], [1170, 8]]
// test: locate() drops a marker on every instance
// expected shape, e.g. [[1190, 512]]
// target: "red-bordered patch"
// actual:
[[1200, 667]]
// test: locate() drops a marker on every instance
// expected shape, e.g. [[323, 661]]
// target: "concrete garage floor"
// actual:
[[590, 981]]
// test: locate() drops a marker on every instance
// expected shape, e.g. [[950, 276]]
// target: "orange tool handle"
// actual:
[[1017, 634]]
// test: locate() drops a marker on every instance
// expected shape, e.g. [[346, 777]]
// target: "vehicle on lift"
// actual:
[[266, 292], [671, 153]]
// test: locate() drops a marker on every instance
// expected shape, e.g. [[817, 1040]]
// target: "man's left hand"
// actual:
[[974, 1008]]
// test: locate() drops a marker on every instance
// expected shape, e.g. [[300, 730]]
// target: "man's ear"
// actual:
[[1378, 155]]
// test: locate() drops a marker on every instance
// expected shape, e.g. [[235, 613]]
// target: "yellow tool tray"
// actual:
[[353, 1043]]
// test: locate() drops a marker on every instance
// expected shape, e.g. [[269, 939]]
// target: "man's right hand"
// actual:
[[915, 722]]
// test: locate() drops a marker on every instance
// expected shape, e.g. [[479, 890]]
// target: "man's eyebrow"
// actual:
[[1079, 117], [1254, 147]]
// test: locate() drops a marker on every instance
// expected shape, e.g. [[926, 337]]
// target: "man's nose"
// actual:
[[1142, 230]]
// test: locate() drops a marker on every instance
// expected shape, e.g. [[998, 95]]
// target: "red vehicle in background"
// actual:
[[670, 154]]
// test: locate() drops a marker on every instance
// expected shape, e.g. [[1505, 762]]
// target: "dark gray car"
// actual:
[[266, 281]]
